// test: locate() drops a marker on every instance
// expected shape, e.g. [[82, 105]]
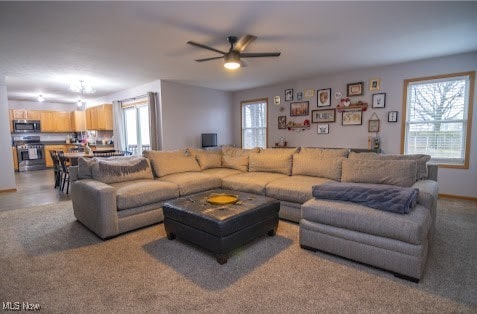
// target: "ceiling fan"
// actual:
[[237, 46]]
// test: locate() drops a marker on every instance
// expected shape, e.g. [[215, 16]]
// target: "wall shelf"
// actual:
[[357, 106], [298, 128]]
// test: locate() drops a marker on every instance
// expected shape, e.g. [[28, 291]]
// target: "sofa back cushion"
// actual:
[[393, 172], [236, 151], [420, 159], [324, 152], [85, 167], [170, 162], [122, 169], [235, 162], [268, 162], [307, 165], [207, 158]]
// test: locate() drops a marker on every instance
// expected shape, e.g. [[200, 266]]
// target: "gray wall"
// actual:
[[7, 177], [188, 111], [461, 182]]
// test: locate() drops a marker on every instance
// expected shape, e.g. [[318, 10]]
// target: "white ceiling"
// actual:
[[117, 45]]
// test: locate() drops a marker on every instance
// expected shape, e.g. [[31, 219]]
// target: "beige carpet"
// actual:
[[50, 259]]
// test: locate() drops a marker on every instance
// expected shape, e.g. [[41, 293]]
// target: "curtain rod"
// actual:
[[133, 98]]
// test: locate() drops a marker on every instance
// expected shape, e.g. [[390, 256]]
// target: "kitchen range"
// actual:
[[30, 152]]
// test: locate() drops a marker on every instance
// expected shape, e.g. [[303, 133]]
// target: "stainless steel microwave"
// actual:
[[26, 126]]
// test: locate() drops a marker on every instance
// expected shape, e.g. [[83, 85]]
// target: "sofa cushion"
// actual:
[[278, 163], [421, 160], [121, 169], [236, 151], [410, 228], [306, 164], [207, 158], [319, 153], [85, 167], [170, 162], [221, 172], [235, 162], [193, 182], [295, 189], [253, 182], [137, 193], [394, 172]]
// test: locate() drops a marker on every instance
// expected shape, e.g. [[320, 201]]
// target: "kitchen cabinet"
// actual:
[[100, 117], [49, 161], [15, 158], [23, 114], [55, 121], [78, 121]]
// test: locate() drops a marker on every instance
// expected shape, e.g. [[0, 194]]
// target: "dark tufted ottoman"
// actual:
[[221, 228]]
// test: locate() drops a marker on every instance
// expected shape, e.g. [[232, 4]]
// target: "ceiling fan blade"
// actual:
[[243, 42], [259, 54], [208, 59], [204, 46]]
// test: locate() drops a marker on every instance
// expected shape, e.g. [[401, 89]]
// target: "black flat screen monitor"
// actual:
[[209, 139]]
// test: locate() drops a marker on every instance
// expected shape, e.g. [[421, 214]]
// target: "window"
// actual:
[[438, 115], [136, 125], [254, 123]]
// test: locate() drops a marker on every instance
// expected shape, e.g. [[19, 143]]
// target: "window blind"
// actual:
[[254, 124]]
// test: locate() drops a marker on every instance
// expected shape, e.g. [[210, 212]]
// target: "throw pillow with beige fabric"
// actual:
[[394, 172], [170, 162]]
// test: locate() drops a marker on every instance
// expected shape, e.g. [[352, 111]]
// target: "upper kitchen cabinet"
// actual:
[[55, 121], [78, 121], [100, 117], [23, 114]]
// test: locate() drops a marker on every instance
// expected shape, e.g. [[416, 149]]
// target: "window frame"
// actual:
[[471, 75], [246, 102], [136, 105]]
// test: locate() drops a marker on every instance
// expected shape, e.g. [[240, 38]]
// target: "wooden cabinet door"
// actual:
[[33, 115], [49, 162], [78, 121], [107, 117], [10, 118], [62, 122], [15, 158], [47, 121], [19, 114]]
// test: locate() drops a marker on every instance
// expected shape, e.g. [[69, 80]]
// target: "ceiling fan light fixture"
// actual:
[[232, 61], [80, 103], [40, 98]]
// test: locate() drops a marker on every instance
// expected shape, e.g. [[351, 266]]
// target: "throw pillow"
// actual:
[[207, 158], [85, 167], [122, 169], [393, 172]]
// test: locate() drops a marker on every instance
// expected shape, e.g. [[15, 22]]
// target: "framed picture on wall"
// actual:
[[282, 122], [323, 97], [289, 94], [353, 117], [374, 84], [379, 100], [392, 116], [323, 115], [373, 126], [301, 108], [354, 89], [323, 128]]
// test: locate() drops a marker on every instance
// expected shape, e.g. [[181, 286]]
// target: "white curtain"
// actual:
[[155, 121], [118, 126]]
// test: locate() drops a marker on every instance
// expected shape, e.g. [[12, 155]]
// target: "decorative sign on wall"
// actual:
[[309, 93], [282, 122], [354, 89], [323, 128], [392, 116], [276, 100], [352, 117], [323, 115], [373, 123]]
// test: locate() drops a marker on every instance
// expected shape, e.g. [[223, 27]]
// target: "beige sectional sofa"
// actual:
[[112, 196]]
